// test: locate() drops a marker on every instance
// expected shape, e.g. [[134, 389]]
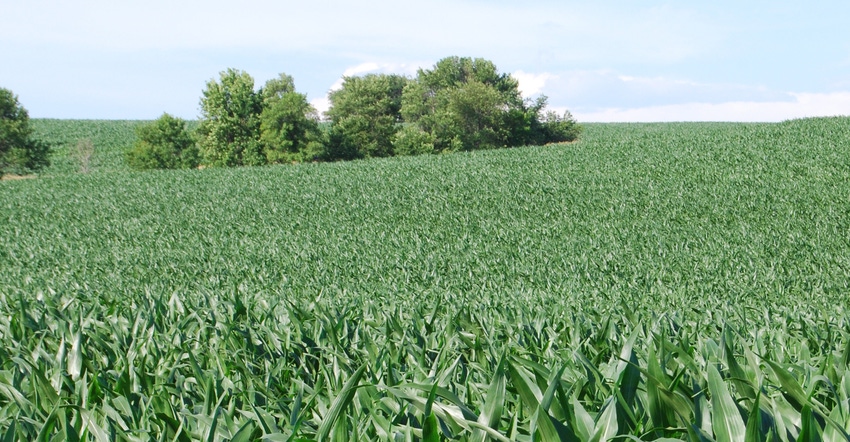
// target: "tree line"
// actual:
[[461, 104]]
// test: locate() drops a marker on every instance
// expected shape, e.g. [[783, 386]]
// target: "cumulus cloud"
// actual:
[[531, 84]]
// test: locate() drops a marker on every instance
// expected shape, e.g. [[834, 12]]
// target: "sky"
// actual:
[[606, 60]]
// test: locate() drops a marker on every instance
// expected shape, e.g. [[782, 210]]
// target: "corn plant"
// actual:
[[650, 282]]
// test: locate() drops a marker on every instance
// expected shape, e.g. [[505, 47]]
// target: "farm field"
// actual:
[[685, 281]]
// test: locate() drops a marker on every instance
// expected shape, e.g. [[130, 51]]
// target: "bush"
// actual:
[[365, 115], [556, 128], [411, 140], [163, 144], [20, 153]]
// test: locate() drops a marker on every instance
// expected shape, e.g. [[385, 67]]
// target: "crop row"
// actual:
[[684, 281]]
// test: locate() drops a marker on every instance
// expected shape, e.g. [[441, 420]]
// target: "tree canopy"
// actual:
[[460, 103], [20, 152], [243, 126], [365, 115]]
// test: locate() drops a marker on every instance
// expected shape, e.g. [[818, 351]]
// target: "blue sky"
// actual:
[[603, 60]]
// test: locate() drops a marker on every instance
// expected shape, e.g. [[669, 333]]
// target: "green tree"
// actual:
[[466, 104], [289, 125], [163, 144], [229, 133], [365, 115], [19, 152]]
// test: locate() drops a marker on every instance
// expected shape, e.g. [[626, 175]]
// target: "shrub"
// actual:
[[411, 140], [556, 128], [163, 144], [20, 153]]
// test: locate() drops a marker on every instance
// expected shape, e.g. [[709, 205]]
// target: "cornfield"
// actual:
[[650, 282]]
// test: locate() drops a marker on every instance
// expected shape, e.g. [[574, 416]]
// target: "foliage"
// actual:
[[411, 140], [163, 144], [20, 152], [680, 281], [466, 104], [556, 128], [289, 126], [365, 113], [241, 126], [229, 134]]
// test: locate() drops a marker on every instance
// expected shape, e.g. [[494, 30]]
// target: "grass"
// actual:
[[685, 281]]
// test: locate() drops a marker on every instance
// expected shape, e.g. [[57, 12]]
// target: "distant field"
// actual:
[[688, 281], [110, 139]]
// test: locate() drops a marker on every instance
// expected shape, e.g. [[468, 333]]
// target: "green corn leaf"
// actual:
[[606, 423], [789, 385], [809, 429], [737, 375], [491, 414], [834, 431], [753, 431], [10, 434], [340, 402], [214, 425], [531, 396], [583, 424], [430, 427], [46, 430], [247, 433], [75, 357], [725, 418]]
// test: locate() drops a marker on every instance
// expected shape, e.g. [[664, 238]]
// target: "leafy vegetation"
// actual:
[[244, 127], [20, 152], [163, 144], [289, 126], [655, 281], [365, 115]]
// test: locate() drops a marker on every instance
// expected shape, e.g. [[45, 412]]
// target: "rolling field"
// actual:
[[651, 282]]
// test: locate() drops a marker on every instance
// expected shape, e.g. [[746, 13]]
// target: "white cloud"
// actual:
[[321, 104], [803, 105], [531, 84]]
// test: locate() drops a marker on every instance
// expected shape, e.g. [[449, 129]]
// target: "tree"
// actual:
[[229, 133], [466, 104], [365, 116], [163, 144], [20, 153], [289, 125]]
